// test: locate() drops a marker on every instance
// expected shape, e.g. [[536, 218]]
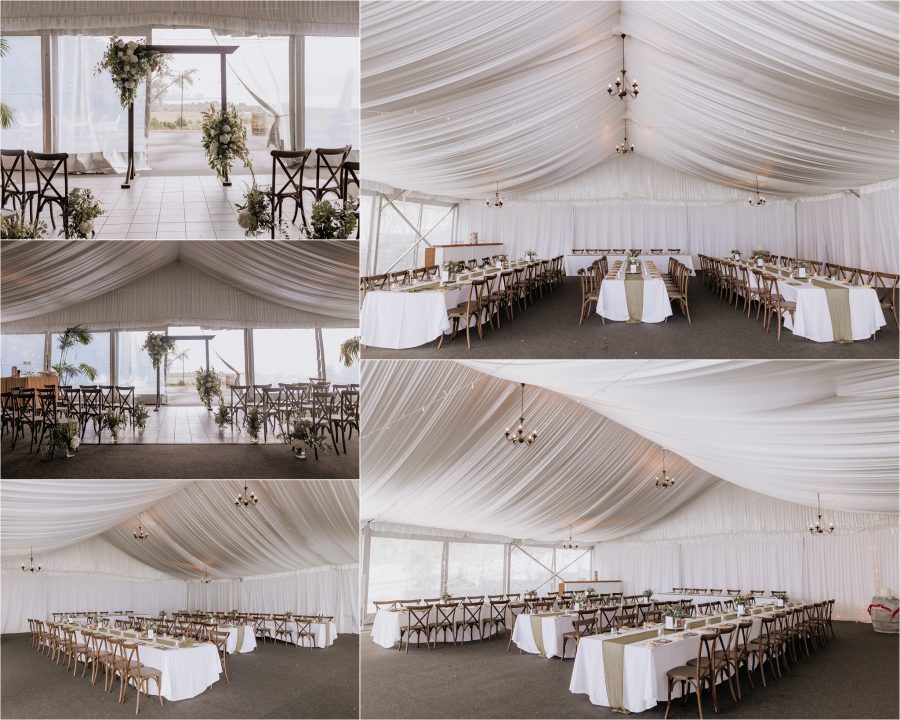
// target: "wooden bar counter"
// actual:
[[35, 381], [461, 252]]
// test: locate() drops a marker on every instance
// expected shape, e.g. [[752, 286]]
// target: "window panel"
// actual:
[[396, 237], [331, 82], [526, 574], [25, 352], [133, 364], [401, 569], [20, 77], [475, 568], [287, 356], [331, 346], [95, 354], [580, 569]]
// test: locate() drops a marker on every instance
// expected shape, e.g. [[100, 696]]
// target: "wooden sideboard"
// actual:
[[439, 254], [36, 381]]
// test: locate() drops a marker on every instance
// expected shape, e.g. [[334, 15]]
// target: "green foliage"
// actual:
[[222, 416], [141, 415], [157, 346], [332, 220], [7, 114], [350, 351], [83, 209], [16, 227], [254, 421], [67, 340], [224, 139], [208, 386], [255, 214], [129, 64]]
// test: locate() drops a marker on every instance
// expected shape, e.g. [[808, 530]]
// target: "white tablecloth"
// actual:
[[695, 599], [812, 318], [552, 629], [186, 672], [387, 625], [613, 305], [325, 633], [400, 319], [574, 263], [249, 643], [644, 667]]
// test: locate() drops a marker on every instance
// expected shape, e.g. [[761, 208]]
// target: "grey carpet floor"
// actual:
[[549, 329], [854, 676], [179, 461], [273, 681]]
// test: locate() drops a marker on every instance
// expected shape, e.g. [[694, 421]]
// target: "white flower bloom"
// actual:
[[121, 55], [75, 442], [226, 128], [224, 138], [84, 228], [120, 43], [213, 147], [244, 219], [132, 44]]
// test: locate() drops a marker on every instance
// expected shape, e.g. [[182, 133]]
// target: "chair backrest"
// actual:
[[46, 166], [329, 164], [418, 616], [91, 400], [293, 171], [11, 185], [446, 613], [219, 638], [350, 179]]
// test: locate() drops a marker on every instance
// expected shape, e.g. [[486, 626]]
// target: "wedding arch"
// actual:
[[221, 51]]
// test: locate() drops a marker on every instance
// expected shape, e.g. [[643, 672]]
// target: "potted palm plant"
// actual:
[[67, 341]]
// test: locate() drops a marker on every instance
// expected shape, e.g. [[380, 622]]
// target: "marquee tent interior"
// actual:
[[292, 74], [254, 313], [751, 445], [296, 549], [801, 96]]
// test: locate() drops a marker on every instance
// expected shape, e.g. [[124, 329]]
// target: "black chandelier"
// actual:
[[246, 498], [664, 480], [139, 534], [817, 528], [496, 201], [521, 435], [206, 579], [760, 200], [624, 148], [30, 567], [570, 545], [622, 88]]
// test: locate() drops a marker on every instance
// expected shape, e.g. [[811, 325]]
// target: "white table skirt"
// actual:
[[812, 319], [613, 305], [249, 643], [644, 667], [388, 623], [398, 319], [325, 633], [574, 263], [186, 672], [552, 630]]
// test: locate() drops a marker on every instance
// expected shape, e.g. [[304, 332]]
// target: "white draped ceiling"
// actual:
[[241, 16], [436, 457], [299, 545], [118, 285], [802, 94]]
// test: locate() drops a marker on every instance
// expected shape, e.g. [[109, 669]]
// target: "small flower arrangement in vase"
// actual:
[[301, 436], [735, 254], [208, 386], [759, 256], [222, 417], [224, 139], [674, 615], [141, 415], [450, 268], [112, 421], [648, 593], [332, 220], [781, 598], [255, 215], [740, 603], [63, 436], [530, 255], [800, 265], [254, 424], [83, 209]]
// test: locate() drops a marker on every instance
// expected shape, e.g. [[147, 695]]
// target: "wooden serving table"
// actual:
[[602, 587], [439, 254], [33, 382]]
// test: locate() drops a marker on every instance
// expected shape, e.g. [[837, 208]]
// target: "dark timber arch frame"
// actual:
[[221, 51]]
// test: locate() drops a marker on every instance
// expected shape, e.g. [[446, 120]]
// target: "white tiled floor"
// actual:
[[195, 207]]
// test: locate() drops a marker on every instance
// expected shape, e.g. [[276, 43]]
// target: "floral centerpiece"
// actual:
[[208, 386], [648, 593], [736, 254], [634, 254], [129, 64], [82, 209], [15, 227], [141, 416], [112, 421], [63, 436], [530, 255], [740, 602], [254, 423], [255, 215], [224, 139], [302, 435], [781, 597], [445, 597], [332, 220], [449, 268], [222, 416], [674, 615]]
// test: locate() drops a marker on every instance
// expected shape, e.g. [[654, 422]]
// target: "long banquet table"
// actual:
[[186, 672], [574, 263], [614, 304], [542, 633], [413, 315], [644, 661], [388, 623], [324, 632], [243, 633]]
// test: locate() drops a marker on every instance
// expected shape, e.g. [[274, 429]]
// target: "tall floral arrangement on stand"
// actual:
[[209, 386], [224, 139], [157, 346], [129, 64]]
